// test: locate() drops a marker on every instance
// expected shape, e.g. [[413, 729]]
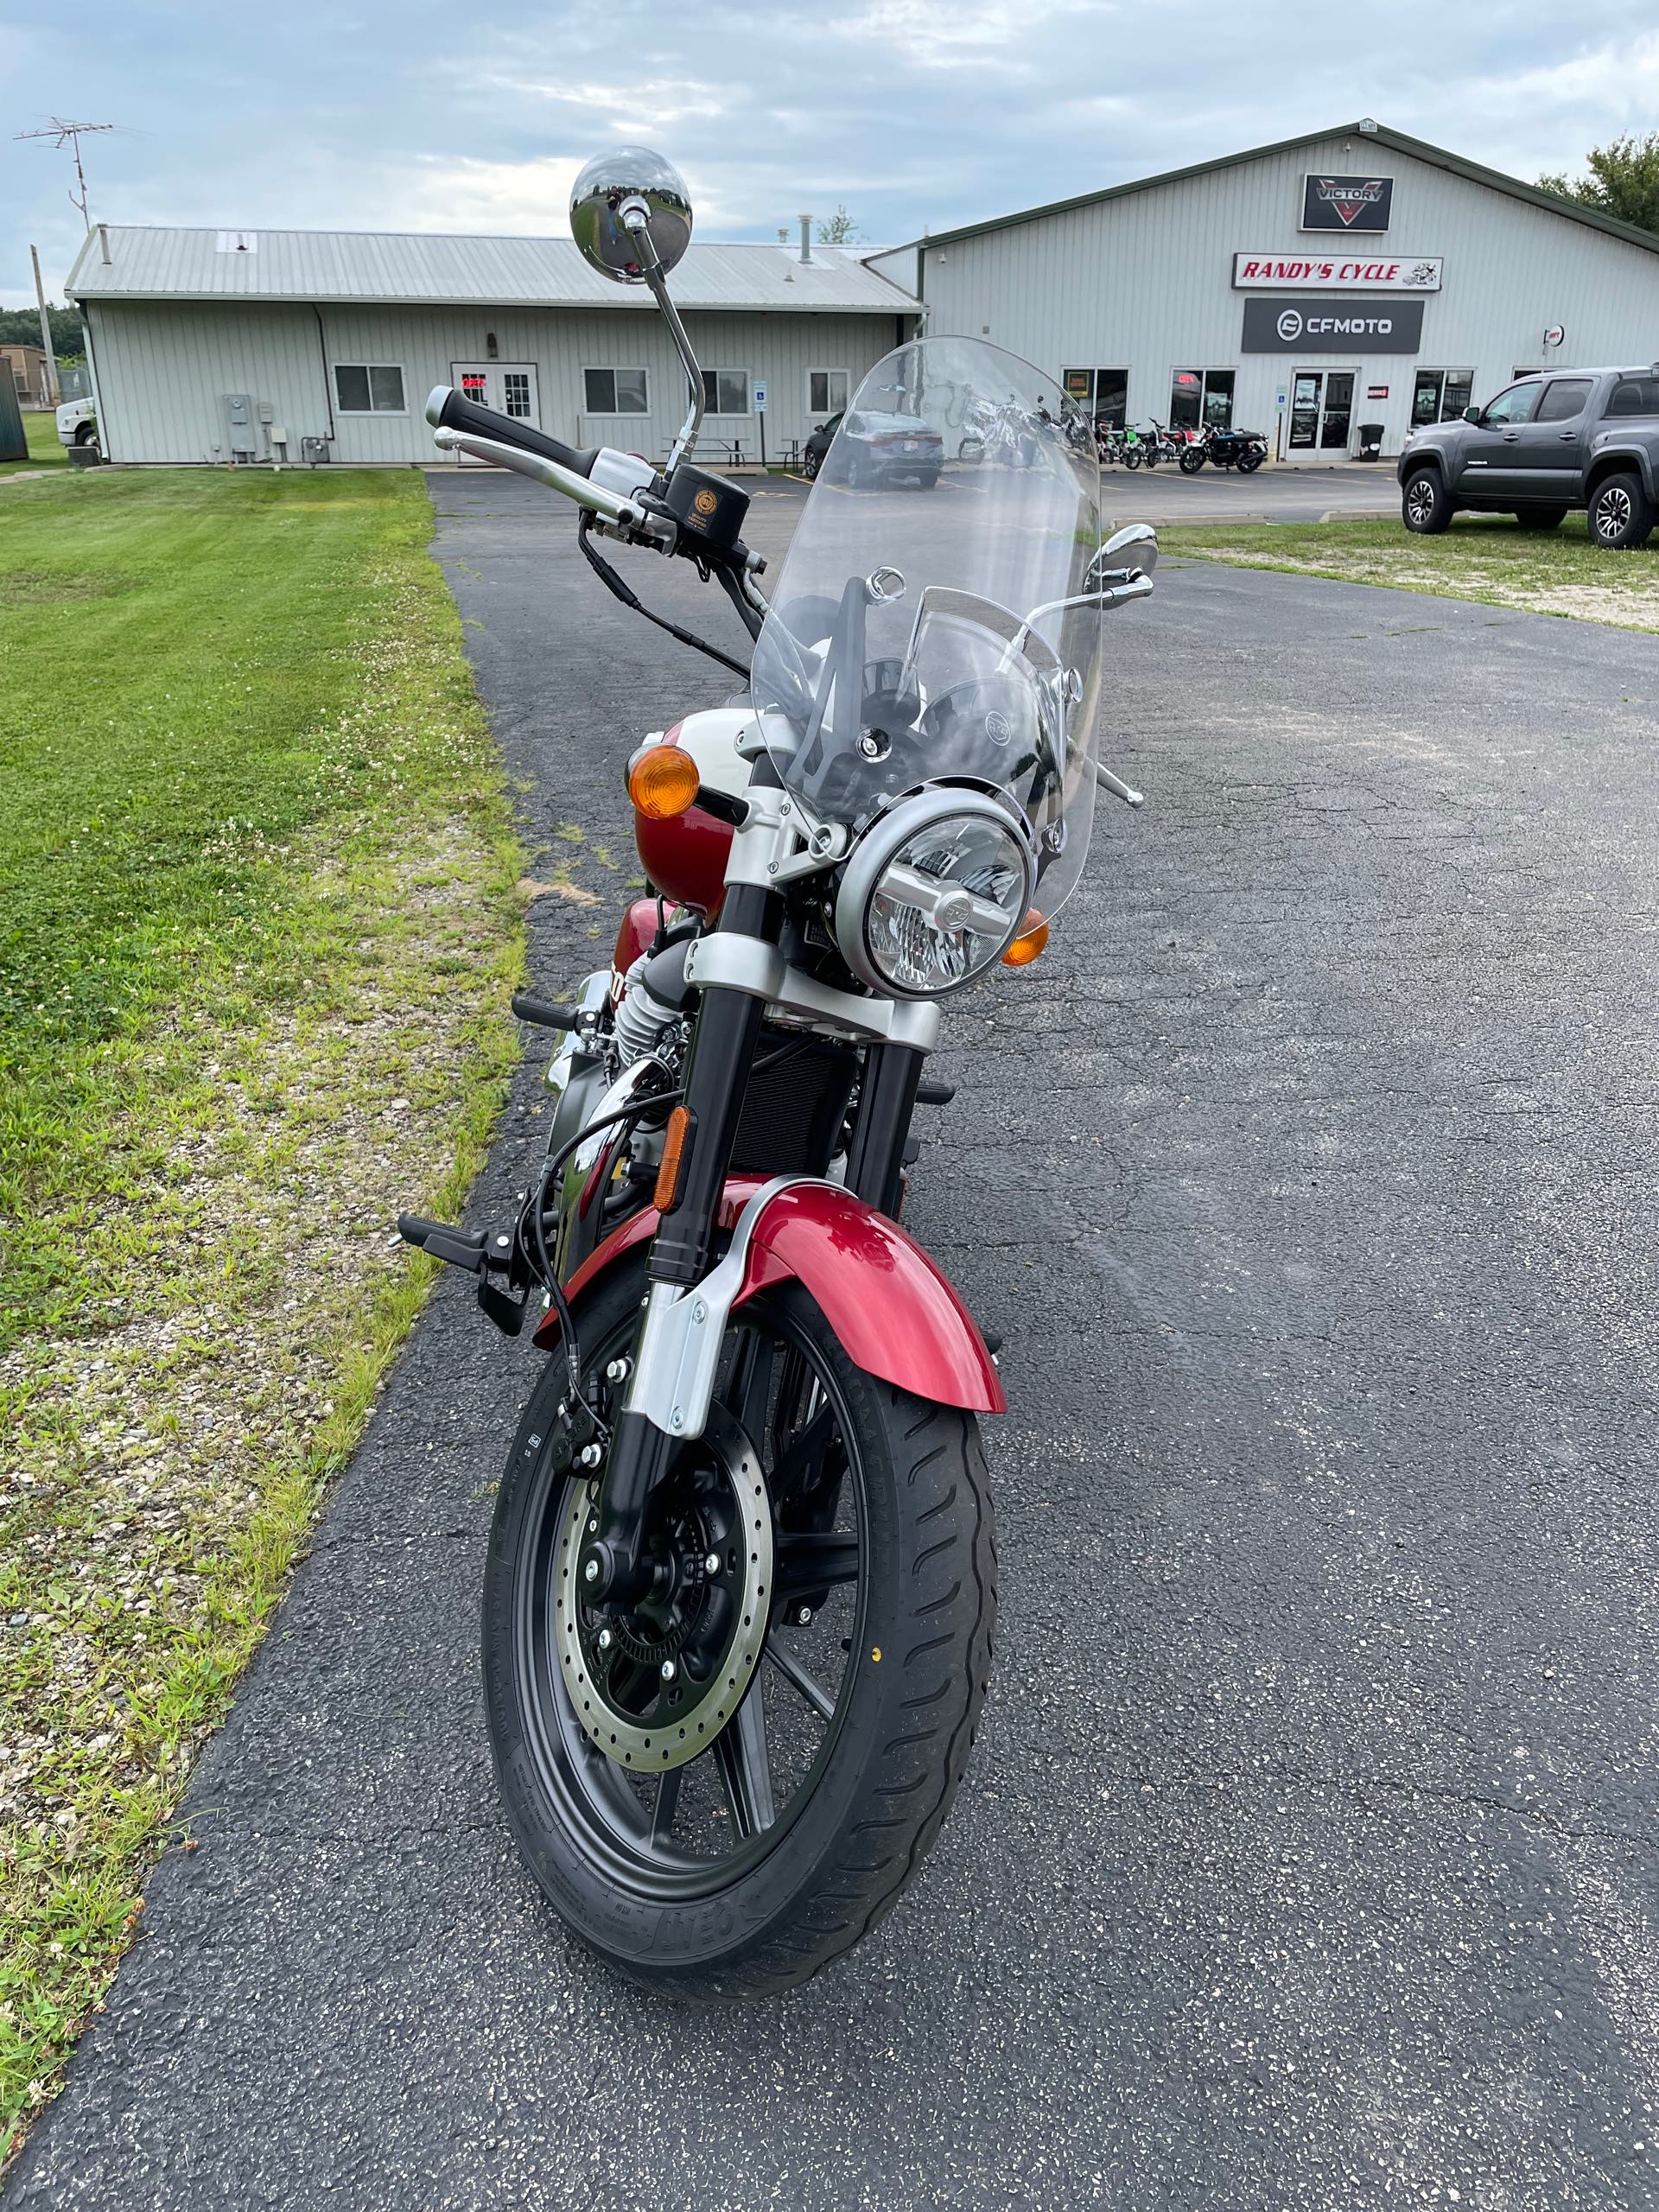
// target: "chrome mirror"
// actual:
[[1135, 547], [631, 214]]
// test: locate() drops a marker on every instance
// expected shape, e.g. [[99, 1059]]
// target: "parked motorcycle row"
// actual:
[[1187, 450]]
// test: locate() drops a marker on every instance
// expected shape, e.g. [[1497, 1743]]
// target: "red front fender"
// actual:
[[896, 1313]]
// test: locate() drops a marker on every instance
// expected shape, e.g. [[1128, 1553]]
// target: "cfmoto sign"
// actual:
[[1352, 324]]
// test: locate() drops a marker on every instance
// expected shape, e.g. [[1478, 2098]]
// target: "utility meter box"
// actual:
[[238, 409]]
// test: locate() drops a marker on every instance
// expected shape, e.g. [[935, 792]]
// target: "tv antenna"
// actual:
[[70, 135]]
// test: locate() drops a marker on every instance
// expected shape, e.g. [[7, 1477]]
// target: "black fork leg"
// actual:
[[722, 1048], [887, 1100]]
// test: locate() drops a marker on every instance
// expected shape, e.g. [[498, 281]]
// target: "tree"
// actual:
[[1623, 181], [838, 229], [21, 327]]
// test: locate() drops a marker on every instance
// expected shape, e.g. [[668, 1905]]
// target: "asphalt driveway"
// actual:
[[1306, 1859]]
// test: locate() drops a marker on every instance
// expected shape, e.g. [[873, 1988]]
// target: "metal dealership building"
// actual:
[[1304, 289], [1352, 280]]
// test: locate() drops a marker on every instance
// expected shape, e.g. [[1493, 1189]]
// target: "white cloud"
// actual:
[[485, 197], [639, 110], [957, 33]]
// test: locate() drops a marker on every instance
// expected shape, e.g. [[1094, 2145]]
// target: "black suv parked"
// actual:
[[1586, 438]]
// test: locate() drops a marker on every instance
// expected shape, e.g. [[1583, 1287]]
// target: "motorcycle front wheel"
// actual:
[[767, 1749]]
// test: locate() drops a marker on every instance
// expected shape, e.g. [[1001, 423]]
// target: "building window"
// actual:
[[1103, 394], [614, 391], [1201, 396], [1440, 395], [515, 394], [826, 391], [1218, 398], [368, 390], [725, 391]]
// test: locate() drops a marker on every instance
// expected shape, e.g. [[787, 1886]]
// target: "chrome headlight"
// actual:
[[934, 892]]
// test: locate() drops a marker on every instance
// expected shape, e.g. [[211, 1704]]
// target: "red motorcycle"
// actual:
[[741, 1578]]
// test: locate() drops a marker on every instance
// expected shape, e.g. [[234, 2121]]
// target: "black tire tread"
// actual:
[[907, 1737], [792, 1954]]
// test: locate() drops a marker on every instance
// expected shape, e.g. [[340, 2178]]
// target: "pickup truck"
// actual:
[[1581, 438]]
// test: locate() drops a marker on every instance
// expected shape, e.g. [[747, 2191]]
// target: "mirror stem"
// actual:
[[636, 216]]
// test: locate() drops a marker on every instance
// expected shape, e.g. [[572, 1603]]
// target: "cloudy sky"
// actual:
[[405, 115]]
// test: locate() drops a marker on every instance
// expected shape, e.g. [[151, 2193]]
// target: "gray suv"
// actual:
[[1586, 438]]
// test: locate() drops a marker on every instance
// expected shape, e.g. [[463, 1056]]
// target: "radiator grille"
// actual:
[[792, 1114]]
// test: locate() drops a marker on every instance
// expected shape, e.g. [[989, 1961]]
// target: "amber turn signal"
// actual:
[[663, 782], [1033, 935], [668, 1175]]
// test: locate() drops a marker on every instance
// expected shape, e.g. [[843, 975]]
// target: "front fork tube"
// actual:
[[875, 1163], [722, 1050]]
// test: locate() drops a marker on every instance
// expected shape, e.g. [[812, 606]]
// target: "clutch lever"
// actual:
[[609, 506]]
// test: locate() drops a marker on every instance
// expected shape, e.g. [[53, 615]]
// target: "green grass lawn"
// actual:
[[259, 922], [41, 431], [1486, 557]]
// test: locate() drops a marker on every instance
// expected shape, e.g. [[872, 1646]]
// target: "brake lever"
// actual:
[[609, 506]]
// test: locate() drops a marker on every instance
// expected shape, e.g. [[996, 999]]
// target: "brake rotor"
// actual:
[[714, 1627]]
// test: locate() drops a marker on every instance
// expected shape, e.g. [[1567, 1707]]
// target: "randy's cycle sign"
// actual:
[[1346, 203], [1337, 324]]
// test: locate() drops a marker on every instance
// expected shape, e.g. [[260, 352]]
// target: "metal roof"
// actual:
[[1377, 134], [404, 268]]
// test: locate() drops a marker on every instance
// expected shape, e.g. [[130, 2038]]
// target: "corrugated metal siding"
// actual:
[[1145, 283], [164, 370], [339, 265], [898, 264], [163, 373]]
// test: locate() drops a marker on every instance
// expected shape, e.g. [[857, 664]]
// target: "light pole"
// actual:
[[53, 392]]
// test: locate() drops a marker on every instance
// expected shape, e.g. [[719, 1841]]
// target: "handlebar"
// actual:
[[450, 410]]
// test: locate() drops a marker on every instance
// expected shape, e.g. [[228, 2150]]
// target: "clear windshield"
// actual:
[[918, 632]]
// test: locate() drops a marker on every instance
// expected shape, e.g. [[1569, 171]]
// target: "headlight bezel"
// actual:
[[866, 867]]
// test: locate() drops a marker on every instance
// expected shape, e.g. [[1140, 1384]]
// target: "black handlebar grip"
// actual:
[[545, 1014], [450, 409]]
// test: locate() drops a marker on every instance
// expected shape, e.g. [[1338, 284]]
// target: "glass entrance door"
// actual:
[[1321, 409]]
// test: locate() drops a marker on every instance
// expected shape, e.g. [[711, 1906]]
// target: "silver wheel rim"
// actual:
[[1613, 512], [1419, 500], [649, 1749]]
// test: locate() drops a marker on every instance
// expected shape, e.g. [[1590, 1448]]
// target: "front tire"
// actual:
[[1192, 460], [1425, 507], [754, 1894], [810, 466], [1621, 514]]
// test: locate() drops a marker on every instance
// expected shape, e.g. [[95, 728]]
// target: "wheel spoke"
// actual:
[[813, 1562], [749, 1391], [797, 1678], [745, 1770], [668, 1803]]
